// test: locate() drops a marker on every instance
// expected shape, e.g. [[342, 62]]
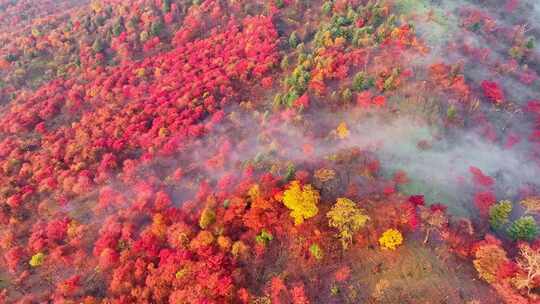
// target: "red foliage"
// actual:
[[278, 290], [379, 101], [480, 178], [417, 200], [492, 91], [298, 294], [411, 214], [303, 101], [342, 274], [507, 270], [363, 99], [400, 177], [162, 201], [266, 82], [57, 230], [438, 207], [483, 201], [13, 257], [489, 239], [70, 286]]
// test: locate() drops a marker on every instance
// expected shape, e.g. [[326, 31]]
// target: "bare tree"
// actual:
[[529, 262]]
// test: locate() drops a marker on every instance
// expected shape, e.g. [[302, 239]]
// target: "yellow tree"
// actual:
[[391, 239], [302, 201], [488, 259], [347, 218]]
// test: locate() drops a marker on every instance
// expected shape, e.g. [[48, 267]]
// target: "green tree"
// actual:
[[166, 6], [264, 237], [316, 251], [293, 40], [327, 7], [525, 228], [156, 28], [499, 214], [98, 45], [362, 81], [530, 43], [117, 28]]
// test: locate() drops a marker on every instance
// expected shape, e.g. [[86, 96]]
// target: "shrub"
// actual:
[[264, 237], [316, 251], [37, 259], [391, 239], [98, 46], [342, 131], [293, 40], [327, 7], [117, 28]]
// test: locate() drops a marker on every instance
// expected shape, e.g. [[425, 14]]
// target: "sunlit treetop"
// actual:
[[302, 200], [347, 218]]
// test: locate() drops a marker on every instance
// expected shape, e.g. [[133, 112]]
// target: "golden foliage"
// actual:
[[96, 6], [208, 217], [203, 239], [342, 131], [487, 261], [159, 227], [302, 201], [254, 192], [37, 259], [224, 242], [347, 218], [391, 239], [239, 249]]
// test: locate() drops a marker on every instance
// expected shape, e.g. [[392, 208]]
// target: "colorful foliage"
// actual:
[[391, 239], [524, 228], [347, 218], [488, 259], [499, 214], [492, 91], [302, 200], [531, 205], [37, 259]]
